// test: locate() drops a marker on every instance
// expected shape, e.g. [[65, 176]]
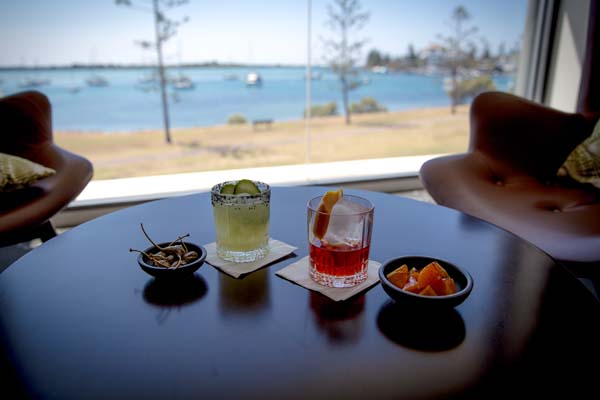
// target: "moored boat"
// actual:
[[253, 79]]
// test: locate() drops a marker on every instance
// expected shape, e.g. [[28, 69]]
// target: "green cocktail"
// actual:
[[241, 214]]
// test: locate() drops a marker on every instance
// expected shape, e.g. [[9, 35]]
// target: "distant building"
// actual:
[[433, 57]]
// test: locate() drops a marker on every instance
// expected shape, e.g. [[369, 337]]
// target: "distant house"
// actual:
[[433, 56]]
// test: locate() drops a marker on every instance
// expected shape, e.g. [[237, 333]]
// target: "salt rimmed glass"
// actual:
[[241, 223]]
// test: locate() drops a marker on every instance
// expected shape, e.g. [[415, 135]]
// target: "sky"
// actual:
[[61, 32]]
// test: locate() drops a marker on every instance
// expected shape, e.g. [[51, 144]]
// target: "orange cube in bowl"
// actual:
[[438, 285], [428, 291], [441, 269], [444, 286], [411, 286], [432, 271], [432, 280], [399, 276], [450, 286]]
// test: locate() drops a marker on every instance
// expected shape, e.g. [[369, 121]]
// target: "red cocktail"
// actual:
[[339, 236]]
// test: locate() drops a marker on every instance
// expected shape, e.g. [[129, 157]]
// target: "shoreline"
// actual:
[[248, 123], [202, 148], [128, 103]]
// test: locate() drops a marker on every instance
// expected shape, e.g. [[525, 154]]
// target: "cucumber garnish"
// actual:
[[246, 186], [228, 188]]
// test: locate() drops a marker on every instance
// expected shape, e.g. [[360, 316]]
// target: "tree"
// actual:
[[342, 54], [486, 53], [412, 57], [501, 50], [469, 88], [456, 55], [374, 58], [164, 29]]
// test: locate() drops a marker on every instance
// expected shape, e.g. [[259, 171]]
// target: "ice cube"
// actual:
[[346, 224]]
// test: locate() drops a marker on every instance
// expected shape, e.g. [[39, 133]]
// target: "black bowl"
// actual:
[[462, 279], [166, 273]]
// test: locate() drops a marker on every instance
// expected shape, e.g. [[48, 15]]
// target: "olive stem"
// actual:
[[180, 239], [149, 238]]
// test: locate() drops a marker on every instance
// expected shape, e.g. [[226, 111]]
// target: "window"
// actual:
[[237, 81]]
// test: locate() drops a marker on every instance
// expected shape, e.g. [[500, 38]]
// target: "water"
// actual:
[[123, 105]]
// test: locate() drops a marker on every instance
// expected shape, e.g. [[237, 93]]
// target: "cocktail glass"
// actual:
[[340, 257], [241, 223]]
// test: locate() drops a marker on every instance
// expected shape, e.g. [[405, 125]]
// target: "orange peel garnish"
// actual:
[[324, 212]]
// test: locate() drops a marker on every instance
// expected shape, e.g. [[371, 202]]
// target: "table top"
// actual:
[[78, 315]]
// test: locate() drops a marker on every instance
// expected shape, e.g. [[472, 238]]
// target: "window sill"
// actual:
[[383, 174]]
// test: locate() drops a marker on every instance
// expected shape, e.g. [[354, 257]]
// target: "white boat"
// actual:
[[182, 82], [96, 81], [253, 79], [73, 88], [148, 79], [148, 82], [33, 82], [379, 69]]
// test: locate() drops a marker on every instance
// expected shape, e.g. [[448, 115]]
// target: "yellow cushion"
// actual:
[[17, 172], [583, 164]]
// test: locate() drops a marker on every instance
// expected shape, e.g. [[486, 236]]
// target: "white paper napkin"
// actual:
[[298, 273], [277, 250]]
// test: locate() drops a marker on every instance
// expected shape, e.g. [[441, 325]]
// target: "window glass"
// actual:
[[236, 81]]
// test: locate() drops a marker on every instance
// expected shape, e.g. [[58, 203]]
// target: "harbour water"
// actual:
[[127, 104]]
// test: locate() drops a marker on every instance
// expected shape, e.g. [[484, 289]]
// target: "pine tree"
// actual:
[[342, 54]]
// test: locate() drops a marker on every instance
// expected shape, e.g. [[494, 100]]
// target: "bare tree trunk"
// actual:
[[454, 93], [344, 71], [345, 100], [161, 74]]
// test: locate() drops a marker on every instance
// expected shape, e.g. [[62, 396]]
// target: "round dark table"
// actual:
[[80, 319]]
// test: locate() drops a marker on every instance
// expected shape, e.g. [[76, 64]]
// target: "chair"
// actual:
[[509, 174], [26, 131]]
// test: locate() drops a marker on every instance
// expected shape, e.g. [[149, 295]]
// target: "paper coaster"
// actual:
[[277, 250], [298, 273]]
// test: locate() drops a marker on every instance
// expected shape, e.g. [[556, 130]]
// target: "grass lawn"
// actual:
[[390, 134]]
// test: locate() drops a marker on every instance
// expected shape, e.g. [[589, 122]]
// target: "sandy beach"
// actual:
[[389, 134]]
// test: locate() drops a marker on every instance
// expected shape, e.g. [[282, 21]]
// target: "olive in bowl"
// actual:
[[190, 260]]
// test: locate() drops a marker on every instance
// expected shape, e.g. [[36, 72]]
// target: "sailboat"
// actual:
[[73, 88], [148, 82], [314, 76], [181, 81], [230, 77], [253, 79], [96, 81], [150, 78], [33, 82]]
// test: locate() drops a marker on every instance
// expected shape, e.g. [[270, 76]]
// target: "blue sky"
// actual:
[[40, 32]]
